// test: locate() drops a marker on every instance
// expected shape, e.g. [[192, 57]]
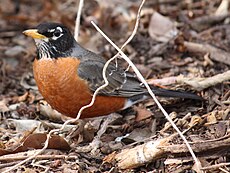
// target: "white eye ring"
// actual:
[[55, 37], [59, 28]]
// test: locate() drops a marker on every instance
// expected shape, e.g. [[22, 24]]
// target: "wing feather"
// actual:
[[121, 83]]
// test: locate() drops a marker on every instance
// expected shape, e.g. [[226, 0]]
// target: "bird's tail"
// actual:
[[173, 93], [163, 93]]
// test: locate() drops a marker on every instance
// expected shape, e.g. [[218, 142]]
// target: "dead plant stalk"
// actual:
[[77, 21]]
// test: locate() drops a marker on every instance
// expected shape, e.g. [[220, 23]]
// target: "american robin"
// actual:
[[67, 76]]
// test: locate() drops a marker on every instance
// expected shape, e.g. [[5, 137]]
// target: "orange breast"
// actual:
[[59, 84]]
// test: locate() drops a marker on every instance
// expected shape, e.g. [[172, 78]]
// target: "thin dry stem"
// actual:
[[77, 21], [201, 84], [24, 155], [216, 166]]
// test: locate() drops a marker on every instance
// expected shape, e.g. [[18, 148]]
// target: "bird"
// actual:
[[67, 75]]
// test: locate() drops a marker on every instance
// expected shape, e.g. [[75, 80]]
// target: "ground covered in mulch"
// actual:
[[177, 45]]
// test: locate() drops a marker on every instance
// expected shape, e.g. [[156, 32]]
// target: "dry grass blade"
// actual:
[[77, 22]]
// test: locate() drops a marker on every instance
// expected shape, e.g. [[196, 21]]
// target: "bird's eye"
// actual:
[[57, 33]]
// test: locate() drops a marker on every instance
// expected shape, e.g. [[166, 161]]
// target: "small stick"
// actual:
[[39, 157], [201, 84], [77, 21], [216, 54], [215, 166]]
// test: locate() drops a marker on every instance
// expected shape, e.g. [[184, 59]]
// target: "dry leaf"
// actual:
[[195, 120], [137, 134], [47, 111], [25, 125], [161, 28], [211, 118], [176, 161], [109, 158], [142, 113], [36, 141], [3, 107], [23, 97]]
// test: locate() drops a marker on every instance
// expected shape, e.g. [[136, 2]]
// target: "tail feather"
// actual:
[[173, 93], [164, 93]]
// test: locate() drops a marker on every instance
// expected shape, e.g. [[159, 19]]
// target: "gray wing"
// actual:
[[121, 83]]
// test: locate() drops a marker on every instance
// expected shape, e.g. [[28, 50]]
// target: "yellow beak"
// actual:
[[34, 34]]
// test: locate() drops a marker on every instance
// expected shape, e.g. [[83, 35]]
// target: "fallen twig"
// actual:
[[210, 19], [198, 147], [24, 155], [142, 154], [216, 166], [152, 150], [8, 164], [215, 53], [200, 84], [203, 22]]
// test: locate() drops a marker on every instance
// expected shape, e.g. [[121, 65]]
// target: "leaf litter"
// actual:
[[174, 39]]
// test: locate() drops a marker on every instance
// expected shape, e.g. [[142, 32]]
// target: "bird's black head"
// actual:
[[53, 40]]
